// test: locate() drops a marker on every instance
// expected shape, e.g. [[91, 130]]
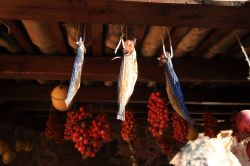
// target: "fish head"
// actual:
[[80, 44], [163, 58], [129, 46]]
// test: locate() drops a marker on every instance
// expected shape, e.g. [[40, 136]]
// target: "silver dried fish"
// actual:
[[127, 77], [75, 81]]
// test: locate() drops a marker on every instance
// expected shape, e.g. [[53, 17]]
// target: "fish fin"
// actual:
[[121, 117], [121, 113], [134, 55], [117, 57]]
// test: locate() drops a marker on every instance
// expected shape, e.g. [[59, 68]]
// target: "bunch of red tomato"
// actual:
[[157, 115], [165, 146], [54, 129], [180, 128], [129, 126], [210, 124], [158, 120], [88, 135]]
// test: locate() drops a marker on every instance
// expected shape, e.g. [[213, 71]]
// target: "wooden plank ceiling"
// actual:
[[208, 60]]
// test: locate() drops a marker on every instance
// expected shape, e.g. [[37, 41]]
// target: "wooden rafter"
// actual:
[[15, 92], [138, 34], [58, 36], [103, 69], [97, 38], [177, 34], [210, 15], [22, 39], [214, 36]]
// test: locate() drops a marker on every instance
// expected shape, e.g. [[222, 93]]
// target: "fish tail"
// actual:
[[185, 116], [190, 121], [121, 113]]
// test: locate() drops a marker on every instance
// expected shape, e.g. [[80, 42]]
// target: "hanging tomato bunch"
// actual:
[[180, 128], [165, 146], [158, 121], [54, 129], [87, 134], [210, 124], [129, 126], [157, 115]]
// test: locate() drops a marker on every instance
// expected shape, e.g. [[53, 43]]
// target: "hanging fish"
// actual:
[[128, 75], [75, 81], [173, 87]]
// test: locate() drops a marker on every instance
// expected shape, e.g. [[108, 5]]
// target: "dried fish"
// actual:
[[75, 81], [127, 77], [173, 87]]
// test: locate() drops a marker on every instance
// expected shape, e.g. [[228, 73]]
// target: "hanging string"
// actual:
[[120, 41], [167, 55], [155, 87], [170, 44], [126, 32], [8, 28], [78, 31], [122, 30], [163, 45], [79, 37], [102, 112], [84, 33], [51, 108], [61, 83], [245, 54]]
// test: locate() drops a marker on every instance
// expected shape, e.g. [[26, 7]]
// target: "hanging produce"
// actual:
[[23, 146], [157, 115], [54, 129], [173, 87], [128, 75], [8, 157], [242, 121], [129, 126], [165, 146], [87, 134], [4, 146], [158, 121], [75, 81], [210, 124], [20, 145], [58, 95], [180, 128], [28, 147]]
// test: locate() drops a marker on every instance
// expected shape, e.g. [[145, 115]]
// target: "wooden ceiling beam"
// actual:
[[191, 13], [177, 34], [228, 96], [103, 69], [20, 36], [215, 36], [138, 33], [58, 36], [97, 38]]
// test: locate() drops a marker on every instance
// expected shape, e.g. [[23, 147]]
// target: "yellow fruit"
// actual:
[[8, 157], [3, 147], [20, 145], [58, 95], [28, 147]]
